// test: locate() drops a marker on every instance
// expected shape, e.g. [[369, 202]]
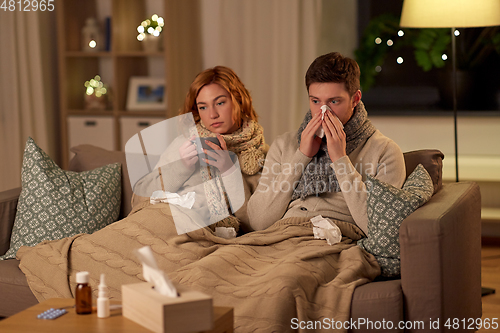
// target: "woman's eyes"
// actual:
[[201, 108], [221, 103]]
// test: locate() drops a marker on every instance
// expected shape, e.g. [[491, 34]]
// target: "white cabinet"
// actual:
[[97, 131], [133, 125]]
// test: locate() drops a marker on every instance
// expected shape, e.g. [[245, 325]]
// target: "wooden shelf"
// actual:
[[177, 61]]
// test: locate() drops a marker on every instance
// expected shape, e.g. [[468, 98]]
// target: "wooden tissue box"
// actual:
[[192, 311]]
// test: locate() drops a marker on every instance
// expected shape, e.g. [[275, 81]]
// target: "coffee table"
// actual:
[[27, 321]]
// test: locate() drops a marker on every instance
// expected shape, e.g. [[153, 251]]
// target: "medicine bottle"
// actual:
[[83, 294]]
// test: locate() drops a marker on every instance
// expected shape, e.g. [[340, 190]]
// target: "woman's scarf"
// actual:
[[249, 146], [247, 143], [318, 176]]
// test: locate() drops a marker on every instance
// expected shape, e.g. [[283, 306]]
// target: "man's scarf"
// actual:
[[318, 176]]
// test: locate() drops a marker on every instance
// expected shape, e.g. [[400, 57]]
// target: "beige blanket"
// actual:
[[269, 276]]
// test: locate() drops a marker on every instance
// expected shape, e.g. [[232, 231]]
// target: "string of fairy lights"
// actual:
[[400, 59]]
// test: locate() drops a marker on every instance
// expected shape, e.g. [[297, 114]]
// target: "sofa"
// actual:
[[440, 253]]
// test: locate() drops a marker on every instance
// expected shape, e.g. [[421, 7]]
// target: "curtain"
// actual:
[[27, 87], [270, 44]]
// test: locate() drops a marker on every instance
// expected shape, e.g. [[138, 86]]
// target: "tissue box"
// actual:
[[192, 311]]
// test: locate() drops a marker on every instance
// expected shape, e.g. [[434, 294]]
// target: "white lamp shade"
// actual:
[[450, 13]]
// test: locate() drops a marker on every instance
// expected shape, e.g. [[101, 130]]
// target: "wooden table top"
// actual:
[[27, 321]]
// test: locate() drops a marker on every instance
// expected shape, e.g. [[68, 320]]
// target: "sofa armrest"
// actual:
[[441, 256], [8, 206]]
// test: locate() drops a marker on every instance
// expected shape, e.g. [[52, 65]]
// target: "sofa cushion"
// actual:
[[15, 294], [54, 203], [387, 207], [379, 301], [431, 159], [8, 204], [88, 157]]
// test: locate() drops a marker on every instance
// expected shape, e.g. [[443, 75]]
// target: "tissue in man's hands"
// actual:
[[324, 228], [153, 274]]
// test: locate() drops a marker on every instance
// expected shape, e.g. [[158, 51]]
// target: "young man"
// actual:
[[305, 175]]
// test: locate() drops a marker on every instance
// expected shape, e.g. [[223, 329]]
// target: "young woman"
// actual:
[[222, 109]]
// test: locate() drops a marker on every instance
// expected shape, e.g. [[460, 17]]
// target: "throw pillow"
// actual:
[[387, 207], [54, 203]]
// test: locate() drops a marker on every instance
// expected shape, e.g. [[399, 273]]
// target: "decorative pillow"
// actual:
[[88, 157], [387, 207], [54, 203]]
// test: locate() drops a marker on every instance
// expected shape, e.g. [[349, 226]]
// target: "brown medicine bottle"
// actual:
[[83, 294]]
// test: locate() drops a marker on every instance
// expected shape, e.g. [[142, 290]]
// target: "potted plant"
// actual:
[[476, 49]]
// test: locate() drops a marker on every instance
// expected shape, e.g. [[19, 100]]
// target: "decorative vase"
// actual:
[[151, 43]]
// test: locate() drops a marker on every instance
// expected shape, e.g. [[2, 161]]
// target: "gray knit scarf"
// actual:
[[318, 177]]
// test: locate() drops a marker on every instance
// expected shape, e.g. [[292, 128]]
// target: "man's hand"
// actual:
[[335, 136], [309, 142], [188, 153]]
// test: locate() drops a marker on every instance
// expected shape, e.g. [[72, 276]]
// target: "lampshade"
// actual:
[[450, 13]]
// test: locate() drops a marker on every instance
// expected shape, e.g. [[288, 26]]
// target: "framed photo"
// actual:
[[146, 93]]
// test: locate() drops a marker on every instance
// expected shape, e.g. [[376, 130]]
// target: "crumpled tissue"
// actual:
[[185, 200], [324, 228], [225, 232], [320, 132], [153, 274]]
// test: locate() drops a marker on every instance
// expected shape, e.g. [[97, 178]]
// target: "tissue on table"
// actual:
[[185, 200], [324, 228], [153, 274]]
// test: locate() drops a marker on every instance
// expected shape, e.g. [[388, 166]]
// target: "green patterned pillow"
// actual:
[[54, 203], [387, 207]]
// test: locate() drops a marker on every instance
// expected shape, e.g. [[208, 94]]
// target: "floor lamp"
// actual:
[[451, 14]]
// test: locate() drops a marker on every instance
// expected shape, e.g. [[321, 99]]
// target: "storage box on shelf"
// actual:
[[176, 61]]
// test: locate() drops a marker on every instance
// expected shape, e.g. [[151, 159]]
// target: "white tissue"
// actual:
[[324, 228], [154, 275], [185, 200], [225, 232]]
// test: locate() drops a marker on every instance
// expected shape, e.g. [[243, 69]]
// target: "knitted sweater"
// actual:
[[378, 156]]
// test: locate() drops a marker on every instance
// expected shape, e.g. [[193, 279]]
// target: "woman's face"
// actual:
[[215, 107]]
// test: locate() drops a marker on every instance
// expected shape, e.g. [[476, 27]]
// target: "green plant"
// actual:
[[430, 45], [152, 26]]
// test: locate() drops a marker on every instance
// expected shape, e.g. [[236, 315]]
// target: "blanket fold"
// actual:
[[269, 277]]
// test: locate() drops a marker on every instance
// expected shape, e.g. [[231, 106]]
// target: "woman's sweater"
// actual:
[[379, 157]]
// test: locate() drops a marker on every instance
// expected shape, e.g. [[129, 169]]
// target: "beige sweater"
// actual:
[[379, 157]]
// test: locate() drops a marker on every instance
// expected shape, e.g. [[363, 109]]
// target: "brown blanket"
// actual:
[[269, 276]]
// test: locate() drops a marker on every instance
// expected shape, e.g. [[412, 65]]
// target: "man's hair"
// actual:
[[227, 79], [334, 67]]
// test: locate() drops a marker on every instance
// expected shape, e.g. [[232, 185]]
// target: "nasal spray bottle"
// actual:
[[103, 299]]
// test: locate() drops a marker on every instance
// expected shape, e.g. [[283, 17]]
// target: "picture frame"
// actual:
[[146, 93]]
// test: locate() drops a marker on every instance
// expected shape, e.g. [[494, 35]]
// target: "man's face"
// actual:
[[336, 96]]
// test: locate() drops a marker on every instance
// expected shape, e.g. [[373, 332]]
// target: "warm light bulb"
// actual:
[[401, 33], [378, 69], [444, 56], [140, 29], [92, 43], [150, 30], [399, 60], [140, 37], [160, 21], [378, 40], [457, 33], [154, 17], [390, 42], [156, 33]]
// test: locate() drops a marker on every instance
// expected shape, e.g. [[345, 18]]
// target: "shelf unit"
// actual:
[[178, 61]]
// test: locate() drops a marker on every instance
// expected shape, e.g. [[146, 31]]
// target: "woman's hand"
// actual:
[[222, 160], [188, 153], [335, 136], [309, 142]]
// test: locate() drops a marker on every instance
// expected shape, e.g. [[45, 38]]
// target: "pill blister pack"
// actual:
[[52, 313]]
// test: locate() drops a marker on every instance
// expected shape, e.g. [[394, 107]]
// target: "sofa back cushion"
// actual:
[[431, 159], [8, 205], [88, 157]]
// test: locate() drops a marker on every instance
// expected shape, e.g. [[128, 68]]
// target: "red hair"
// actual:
[[227, 79]]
